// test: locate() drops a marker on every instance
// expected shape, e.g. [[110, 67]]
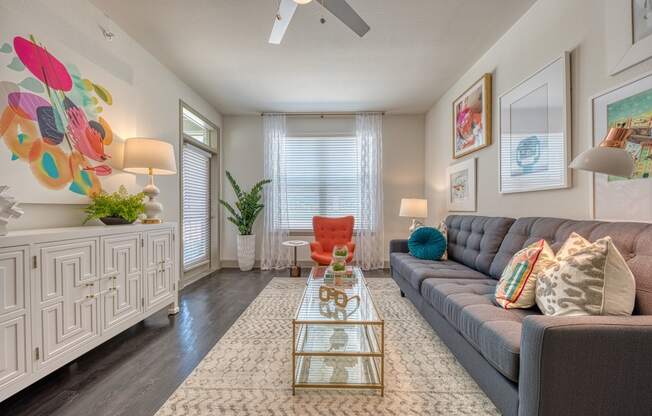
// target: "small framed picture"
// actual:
[[472, 118], [461, 186]]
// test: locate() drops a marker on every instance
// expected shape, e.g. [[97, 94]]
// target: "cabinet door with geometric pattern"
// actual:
[[15, 346], [66, 297], [159, 271], [121, 279]]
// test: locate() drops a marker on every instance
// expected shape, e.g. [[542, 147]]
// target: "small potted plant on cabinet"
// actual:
[[243, 215], [117, 208]]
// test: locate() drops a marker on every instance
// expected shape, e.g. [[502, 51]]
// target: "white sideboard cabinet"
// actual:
[[64, 291]]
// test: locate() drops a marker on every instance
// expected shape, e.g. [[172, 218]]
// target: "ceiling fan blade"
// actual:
[[282, 20], [348, 16]]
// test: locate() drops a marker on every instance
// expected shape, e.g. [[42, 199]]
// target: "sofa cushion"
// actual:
[[468, 305], [415, 270], [427, 243], [633, 241], [474, 241], [593, 281]]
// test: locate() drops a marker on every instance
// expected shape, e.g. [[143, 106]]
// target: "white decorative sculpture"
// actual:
[[8, 209]]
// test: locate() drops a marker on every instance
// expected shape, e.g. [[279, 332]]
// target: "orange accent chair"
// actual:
[[330, 232]]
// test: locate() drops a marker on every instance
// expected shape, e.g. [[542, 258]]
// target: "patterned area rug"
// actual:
[[248, 372]]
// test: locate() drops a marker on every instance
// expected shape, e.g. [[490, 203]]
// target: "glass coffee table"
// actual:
[[338, 347]]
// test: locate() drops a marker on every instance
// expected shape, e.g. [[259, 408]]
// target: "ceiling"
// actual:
[[414, 52]]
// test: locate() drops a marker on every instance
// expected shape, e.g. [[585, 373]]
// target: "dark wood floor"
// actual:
[[135, 372]]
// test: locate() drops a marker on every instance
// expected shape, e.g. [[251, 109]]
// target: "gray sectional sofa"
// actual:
[[527, 363]]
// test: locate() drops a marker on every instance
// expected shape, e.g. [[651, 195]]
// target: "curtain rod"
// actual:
[[322, 114]]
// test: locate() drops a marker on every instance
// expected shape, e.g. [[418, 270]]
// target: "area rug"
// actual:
[[248, 372]]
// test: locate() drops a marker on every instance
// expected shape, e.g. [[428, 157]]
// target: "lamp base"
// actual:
[[153, 208], [415, 224]]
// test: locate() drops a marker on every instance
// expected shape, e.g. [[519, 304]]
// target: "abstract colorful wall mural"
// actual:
[[51, 121]]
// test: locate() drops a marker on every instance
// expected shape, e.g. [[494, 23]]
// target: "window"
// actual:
[[323, 178], [199, 143], [196, 128], [196, 207]]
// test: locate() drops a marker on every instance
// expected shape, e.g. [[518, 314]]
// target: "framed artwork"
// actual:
[[629, 105], [472, 118], [629, 33], [461, 186], [57, 115], [535, 129]]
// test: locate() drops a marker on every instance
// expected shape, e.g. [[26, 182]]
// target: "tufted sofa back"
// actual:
[[474, 241], [332, 231], [633, 240]]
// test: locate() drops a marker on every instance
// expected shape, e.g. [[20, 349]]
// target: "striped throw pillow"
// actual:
[[518, 282]]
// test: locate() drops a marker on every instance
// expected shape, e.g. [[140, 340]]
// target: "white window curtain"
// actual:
[[370, 239], [275, 221]]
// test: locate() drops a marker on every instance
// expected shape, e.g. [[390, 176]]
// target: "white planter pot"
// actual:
[[246, 252]]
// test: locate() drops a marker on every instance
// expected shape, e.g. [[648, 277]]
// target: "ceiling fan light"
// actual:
[[302, 1]]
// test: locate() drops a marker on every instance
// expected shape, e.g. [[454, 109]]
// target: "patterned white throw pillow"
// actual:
[[571, 246], [443, 228], [590, 280]]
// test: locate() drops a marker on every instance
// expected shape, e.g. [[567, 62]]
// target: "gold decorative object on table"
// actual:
[[337, 336], [326, 293]]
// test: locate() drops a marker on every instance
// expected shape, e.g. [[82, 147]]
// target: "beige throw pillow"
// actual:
[[595, 280], [443, 229], [571, 246]]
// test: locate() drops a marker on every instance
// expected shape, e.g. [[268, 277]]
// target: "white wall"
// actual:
[[148, 104], [403, 165], [548, 29]]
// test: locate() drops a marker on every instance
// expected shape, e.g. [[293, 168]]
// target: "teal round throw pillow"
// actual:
[[427, 243]]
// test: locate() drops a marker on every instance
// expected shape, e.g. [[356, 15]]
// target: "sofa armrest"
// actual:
[[398, 246], [585, 365]]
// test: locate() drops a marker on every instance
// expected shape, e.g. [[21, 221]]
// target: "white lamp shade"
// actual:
[[414, 208], [142, 155], [607, 160]]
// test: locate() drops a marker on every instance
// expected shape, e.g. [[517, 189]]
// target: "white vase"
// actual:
[[246, 252]]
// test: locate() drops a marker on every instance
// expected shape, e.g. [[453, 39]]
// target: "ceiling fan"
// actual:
[[339, 8]]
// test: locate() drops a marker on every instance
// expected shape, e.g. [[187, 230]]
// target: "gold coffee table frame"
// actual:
[[338, 348]]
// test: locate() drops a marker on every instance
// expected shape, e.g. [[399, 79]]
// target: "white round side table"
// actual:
[[295, 270]]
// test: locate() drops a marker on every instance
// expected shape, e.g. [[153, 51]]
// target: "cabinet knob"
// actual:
[[91, 296]]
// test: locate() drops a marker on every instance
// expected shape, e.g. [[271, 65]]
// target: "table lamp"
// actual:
[[609, 157], [151, 157], [415, 209]]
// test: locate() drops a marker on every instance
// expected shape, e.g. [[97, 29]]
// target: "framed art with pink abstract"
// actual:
[[472, 118], [55, 122]]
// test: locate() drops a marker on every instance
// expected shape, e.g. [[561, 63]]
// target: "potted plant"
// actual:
[[116, 208], [246, 210]]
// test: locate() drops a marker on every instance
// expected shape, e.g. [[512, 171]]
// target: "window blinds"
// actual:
[[196, 207], [323, 178]]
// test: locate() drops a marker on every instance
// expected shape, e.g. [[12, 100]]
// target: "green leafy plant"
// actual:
[[118, 204], [247, 207], [339, 266]]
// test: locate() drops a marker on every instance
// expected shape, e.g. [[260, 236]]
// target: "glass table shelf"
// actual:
[[338, 347], [338, 372]]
